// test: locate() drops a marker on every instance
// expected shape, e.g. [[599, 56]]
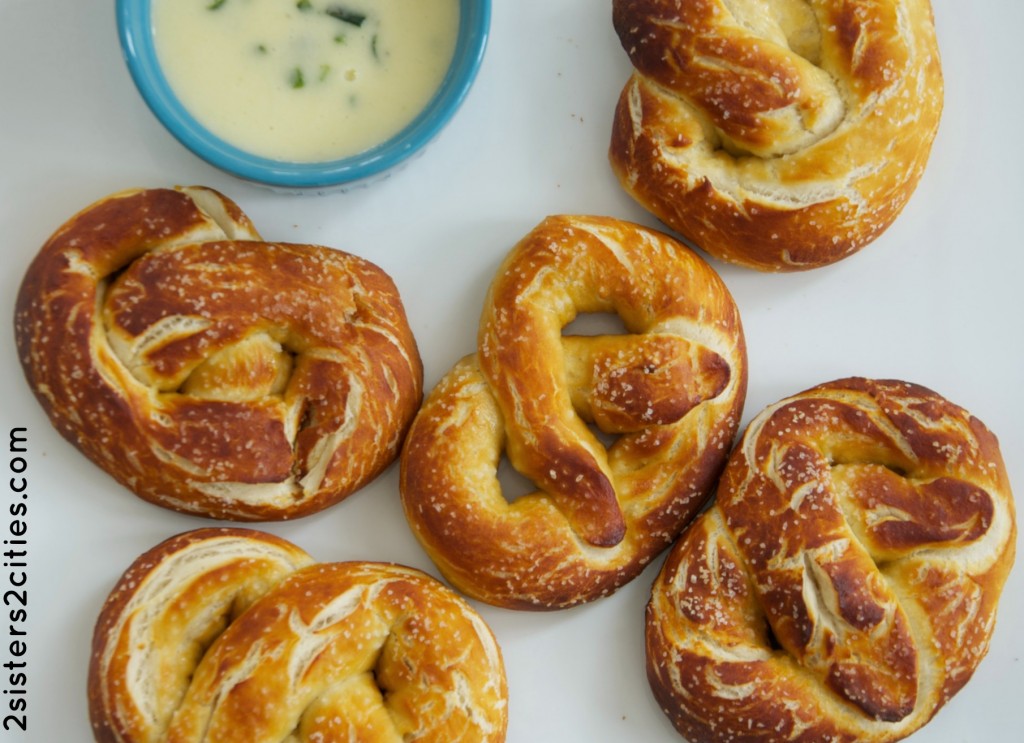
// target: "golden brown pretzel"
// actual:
[[671, 390], [778, 134], [236, 635], [211, 372], [844, 585]]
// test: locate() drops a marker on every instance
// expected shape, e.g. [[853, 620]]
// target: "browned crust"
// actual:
[[671, 390], [233, 634], [775, 158], [844, 585], [198, 364], [112, 710]]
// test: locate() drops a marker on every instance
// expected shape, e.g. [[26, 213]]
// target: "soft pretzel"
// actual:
[[782, 135], [844, 584], [670, 391], [236, 635], [211, 372]]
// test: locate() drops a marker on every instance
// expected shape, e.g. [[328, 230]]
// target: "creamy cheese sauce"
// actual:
[[305, 80]]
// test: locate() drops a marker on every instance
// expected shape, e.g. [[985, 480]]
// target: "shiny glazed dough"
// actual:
[[623, 435], [844, 585], [234, 635], [782, 135], [211, 372]]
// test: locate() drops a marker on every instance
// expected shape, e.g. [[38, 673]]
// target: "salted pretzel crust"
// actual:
[[209, 371], [844, 585], [669, 392], [781, 135], [236, 635]]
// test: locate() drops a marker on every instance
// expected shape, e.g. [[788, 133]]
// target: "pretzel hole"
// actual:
[[769, 636], [596, 323], [217, 622], [859, 459], [514, 485], [605, 438]]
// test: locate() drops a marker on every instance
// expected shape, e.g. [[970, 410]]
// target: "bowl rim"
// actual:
[[135, 32]]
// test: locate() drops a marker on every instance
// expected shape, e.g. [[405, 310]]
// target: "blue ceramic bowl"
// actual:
[[135, 28]]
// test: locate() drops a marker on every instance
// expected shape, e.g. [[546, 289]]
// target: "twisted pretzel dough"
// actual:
[[844, 585], [208, 371], [782, 135], [671, 391], [235, 635]]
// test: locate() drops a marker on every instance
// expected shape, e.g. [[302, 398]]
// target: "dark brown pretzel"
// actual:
[[844, 585], [672, 390], [209, 371], [780, 135]]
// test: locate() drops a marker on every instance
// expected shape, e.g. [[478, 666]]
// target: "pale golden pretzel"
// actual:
[[670, 391], [782, 135], [844, 585], [235, 635], [209, 371]]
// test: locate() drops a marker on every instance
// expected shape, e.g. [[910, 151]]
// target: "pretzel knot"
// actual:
[[669, 393], [844, 585], [209, 371], [782, 135], [235, 635]]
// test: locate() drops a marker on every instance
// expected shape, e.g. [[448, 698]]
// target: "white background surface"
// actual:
[[938, 300]]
